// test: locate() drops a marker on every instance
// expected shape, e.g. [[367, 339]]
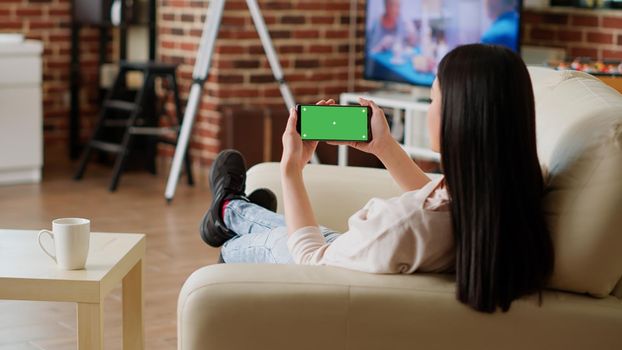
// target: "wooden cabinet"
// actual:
[[21, 124]]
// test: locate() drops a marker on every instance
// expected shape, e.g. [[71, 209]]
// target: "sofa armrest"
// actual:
[[335, 192]]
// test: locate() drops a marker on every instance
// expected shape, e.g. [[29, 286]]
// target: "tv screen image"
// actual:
[[406, 39]]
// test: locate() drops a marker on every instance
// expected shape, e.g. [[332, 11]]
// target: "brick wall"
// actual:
[[312, 39], [49, 21], [581, 32]]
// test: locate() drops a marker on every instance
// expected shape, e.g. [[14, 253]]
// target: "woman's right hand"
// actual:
[[381, 134]]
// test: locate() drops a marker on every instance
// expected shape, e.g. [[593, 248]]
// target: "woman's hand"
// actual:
[[381, 134], [296, 153]]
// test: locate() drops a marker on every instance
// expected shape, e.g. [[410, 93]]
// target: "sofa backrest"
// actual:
[[579, 133]]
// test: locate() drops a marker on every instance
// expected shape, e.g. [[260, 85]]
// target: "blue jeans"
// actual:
[[261, 235]]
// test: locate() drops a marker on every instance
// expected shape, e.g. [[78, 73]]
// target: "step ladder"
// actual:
[[128, 116]]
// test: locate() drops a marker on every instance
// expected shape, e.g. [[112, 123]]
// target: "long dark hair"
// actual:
[[488, 149]]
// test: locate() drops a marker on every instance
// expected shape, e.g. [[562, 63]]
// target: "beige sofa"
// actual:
[[314, 307]]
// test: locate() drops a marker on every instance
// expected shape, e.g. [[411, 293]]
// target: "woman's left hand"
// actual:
[[296, 153]]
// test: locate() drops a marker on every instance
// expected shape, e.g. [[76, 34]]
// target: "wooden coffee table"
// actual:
[[26, 273]]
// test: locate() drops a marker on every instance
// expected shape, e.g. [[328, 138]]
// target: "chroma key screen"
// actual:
[[334, 123]]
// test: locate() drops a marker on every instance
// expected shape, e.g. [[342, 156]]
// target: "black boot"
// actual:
[[227, 179], [264, 198]]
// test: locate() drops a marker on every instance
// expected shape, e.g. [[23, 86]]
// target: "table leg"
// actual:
[[90, 326], [133, 326]]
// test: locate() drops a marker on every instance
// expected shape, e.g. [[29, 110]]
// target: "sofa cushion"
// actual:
[[579, 127]]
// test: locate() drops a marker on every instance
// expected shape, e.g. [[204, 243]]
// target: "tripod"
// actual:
[[201, 69]]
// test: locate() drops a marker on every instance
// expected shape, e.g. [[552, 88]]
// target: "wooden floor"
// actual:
[[174, 249]]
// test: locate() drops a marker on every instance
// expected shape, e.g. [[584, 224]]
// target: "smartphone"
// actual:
[[334, 123]]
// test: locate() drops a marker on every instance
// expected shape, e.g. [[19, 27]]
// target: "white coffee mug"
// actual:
[[71, 238]]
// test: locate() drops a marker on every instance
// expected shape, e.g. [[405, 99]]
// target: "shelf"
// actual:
[[388, 99], [414, 113]]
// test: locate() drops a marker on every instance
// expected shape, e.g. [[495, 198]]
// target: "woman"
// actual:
[[482, 220], [390, 29]]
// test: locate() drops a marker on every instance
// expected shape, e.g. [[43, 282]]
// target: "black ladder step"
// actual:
[[148, 130], [107, 146], [116, 123], [121, 105], [154, 67]]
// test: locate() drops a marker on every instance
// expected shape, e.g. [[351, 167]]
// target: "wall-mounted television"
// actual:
[[406, 39]]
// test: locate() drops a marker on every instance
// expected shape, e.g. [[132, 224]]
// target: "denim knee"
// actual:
[[265, 247]]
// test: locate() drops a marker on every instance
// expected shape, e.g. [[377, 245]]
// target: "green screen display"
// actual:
[[340, 123]]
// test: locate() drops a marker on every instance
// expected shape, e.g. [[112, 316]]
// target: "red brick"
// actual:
[[322, 20], [38, 24], [189, 46], [334, 91], [256, 50], [570, 35], [293, 20], [307, 63], [338, 34], [280, 34], [336, 62], [60, 37], [168, 44], [238, 34], [583, 52], [542, 34], [12, 25], [290, 48], [320, 48], [233, 21], [531, 17], [602, 38], [312, 5], [58, 12], [341, 7], [587, 21], [306, 34], [619, 39], [306, 90], [29, 12], [612, 22], [261, 78], [554, 18], [249, 63], [269, 19], [228, 79], [322, 77], [612, 54], [277, 5], [231, 5], [234, 49], [187, 18], [273, 92]]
